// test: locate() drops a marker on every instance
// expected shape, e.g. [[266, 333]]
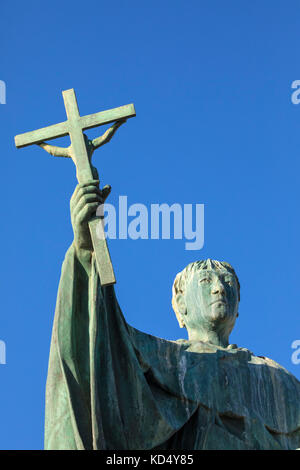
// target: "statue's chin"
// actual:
[[219, 313]]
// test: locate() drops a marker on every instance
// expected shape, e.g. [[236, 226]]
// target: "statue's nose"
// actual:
[[218, 288]]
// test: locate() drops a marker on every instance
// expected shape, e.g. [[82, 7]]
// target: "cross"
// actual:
[[74, 126]]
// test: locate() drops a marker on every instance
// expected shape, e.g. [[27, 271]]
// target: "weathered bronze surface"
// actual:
[[113, 387]]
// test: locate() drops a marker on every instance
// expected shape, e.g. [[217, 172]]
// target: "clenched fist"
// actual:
[[84, 202]]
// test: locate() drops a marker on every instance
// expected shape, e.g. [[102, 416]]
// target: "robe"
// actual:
[[112, 387]]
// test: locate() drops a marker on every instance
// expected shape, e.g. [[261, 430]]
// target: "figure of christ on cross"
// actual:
[[81, 151]]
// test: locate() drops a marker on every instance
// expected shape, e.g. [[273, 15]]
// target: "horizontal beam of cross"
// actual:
[[85, 122]]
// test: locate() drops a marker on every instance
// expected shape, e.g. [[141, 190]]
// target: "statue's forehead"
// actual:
[[213, 272]]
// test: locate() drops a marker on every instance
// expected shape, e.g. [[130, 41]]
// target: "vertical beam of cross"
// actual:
[[78, 147], [74, 126]]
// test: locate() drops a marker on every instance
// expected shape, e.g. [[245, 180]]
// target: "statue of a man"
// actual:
[[111, 386]]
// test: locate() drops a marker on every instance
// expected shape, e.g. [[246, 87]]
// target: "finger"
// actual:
[[106, 191], [94, 182], [89, 190], [82, 188], [85, 214], [85, 200]]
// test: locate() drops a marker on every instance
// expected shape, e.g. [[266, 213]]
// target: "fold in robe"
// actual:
[[112, 387]]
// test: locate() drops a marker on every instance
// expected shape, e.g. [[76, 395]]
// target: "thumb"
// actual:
[[106, 190]]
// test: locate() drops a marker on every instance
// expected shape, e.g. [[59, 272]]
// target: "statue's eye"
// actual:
[[204, 280]]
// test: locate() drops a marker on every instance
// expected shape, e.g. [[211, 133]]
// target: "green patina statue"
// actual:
[[111, 386]]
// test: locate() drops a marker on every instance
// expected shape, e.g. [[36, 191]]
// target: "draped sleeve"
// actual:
[[100, 393]]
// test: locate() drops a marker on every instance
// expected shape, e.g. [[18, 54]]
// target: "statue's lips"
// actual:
[[222, 301]]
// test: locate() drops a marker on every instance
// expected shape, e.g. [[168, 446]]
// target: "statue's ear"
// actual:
[[181, 309], [181, 304]]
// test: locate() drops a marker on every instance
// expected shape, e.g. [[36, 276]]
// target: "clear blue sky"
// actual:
[[211, 82]]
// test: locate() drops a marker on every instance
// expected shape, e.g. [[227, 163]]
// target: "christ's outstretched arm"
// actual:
[[105, 138], [56, 151]]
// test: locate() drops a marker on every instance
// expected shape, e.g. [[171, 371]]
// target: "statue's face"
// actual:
[[211, 299]]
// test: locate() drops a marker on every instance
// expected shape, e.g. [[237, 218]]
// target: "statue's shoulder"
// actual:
[[270, 363], [233, 351]]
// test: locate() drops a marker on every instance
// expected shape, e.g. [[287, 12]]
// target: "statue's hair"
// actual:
[[182, 277]]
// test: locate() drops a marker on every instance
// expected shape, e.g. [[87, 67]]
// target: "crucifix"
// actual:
[[81, 150]]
